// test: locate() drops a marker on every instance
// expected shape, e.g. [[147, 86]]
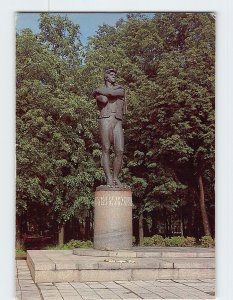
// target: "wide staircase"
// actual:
[[140, 263]]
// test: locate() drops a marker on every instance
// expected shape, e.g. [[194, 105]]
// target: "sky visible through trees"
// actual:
[[89, 22]]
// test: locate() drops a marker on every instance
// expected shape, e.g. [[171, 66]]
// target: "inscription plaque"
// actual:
[[113, 201]]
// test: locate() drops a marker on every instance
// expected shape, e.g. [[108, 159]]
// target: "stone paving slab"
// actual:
[[27, 289], [192, 263]]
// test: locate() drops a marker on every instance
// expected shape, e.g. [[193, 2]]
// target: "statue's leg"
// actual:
[[105, 134], [119, 148]]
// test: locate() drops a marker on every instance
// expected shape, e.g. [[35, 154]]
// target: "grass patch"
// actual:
[[20, 251]]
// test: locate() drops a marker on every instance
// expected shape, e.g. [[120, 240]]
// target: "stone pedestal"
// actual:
[[113, 218], [139, 263]]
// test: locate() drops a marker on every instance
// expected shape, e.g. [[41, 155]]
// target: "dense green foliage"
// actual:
[[167, 67], [178, 241], [55, 126], [20, 252], [72, 244], [207, 241]]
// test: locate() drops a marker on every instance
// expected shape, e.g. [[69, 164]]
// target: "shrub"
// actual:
[[189, 241], [167, 242], [207, 241], [148, 241], [158, 240], [79, 244], [71, 245], [20, 251], [175, 241]]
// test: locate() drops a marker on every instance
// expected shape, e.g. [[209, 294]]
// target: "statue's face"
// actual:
[[111, 77]]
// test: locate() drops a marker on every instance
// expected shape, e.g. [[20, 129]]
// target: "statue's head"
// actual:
[[110, 75]]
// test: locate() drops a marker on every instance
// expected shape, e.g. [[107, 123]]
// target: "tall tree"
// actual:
[[167, 66], [55, 172]]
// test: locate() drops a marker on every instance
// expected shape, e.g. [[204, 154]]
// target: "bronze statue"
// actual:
[[112, 106]]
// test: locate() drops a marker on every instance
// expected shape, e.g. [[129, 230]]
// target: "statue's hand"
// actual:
[[103, 91], [111, 91], [102, 98], [98, 91]]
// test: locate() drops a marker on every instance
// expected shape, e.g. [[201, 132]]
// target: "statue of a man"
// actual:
[[112, 106]]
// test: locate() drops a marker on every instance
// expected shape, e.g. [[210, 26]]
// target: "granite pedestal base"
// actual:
[[113, 219], [139, 263]]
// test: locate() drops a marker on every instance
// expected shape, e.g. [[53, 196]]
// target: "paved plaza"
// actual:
[[26, 289]]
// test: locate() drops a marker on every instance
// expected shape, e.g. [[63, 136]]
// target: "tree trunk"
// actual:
[[87, 227], [189, 222], [181, 227], [181, 221], [170, 224], [154, 229], [205, 219], [19, 243], [61, 236], [141, 233], [192, 231], [92, 224]]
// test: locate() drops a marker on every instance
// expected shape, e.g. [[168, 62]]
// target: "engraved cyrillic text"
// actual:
[[113, 201]]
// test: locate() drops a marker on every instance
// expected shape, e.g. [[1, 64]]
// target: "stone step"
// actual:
[[63, 265], [149, 252]]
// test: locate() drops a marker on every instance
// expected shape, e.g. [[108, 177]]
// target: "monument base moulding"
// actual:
[[113, 218]]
